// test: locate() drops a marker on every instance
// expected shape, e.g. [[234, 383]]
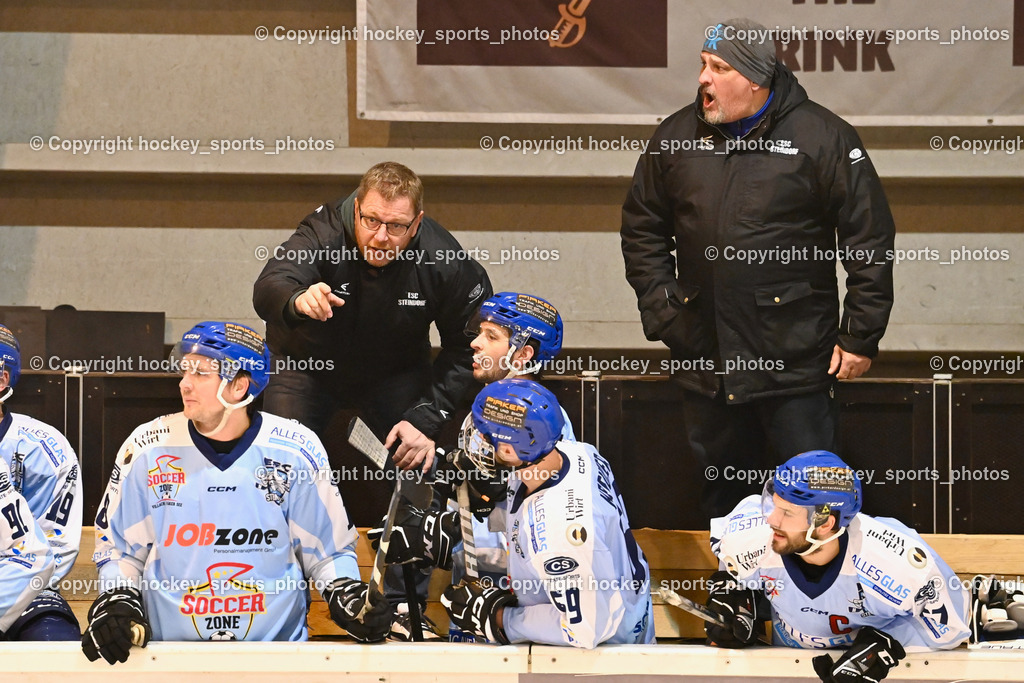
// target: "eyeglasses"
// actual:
[[394, 229]]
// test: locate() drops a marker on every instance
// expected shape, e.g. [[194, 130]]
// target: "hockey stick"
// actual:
[[687, 605], [468, 541], [463, 464], [367, 443], [697, 610], [419, 495], [417, 491]]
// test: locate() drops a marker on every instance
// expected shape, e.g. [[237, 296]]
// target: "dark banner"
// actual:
[[616, 33]]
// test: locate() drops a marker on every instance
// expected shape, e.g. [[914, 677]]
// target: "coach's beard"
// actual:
[[706, 100]]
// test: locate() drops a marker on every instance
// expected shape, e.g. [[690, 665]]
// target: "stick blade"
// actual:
[[366, 442]]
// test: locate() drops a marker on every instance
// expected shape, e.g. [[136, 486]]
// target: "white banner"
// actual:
[[881, 62]]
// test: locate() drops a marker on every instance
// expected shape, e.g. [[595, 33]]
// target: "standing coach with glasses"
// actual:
[[349, 299]]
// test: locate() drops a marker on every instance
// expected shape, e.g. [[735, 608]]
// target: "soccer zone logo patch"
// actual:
[[225, 606], [166, 479]]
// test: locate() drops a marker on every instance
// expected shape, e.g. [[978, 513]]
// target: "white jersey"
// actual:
[[44, 469], [886, 577], [574, 565], [222, 545], [26, 560]]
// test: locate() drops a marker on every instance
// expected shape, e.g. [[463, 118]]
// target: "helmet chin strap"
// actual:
[[228, 409], [816, 543], [7, 394], [527, 369]]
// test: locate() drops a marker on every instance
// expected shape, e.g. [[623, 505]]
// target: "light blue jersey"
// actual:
[[574, 565], [26, 560], [489, 533], [224, 546], [886, 577], [489, 536], [44, 469]]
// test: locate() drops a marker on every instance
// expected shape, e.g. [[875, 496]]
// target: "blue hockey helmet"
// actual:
[[821, 482], [522, 413], [235, 348], [526, 317], [10, 359]]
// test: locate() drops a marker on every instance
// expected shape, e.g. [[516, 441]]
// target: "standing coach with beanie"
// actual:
[[755, 167]]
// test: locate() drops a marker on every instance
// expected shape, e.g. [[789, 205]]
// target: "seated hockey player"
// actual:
[[215, 522], [26, 559], [829, 577], [578, 576], [514, 334], [44, 470]]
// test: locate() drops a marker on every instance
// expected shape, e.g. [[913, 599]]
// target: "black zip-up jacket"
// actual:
[[384, 327], [799, 183]]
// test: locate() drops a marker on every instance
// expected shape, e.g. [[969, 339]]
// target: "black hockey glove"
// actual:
[[870, 657], [738, 607], [111, 619], [485, 493], [487, 487], [475, 609], [417, 536], [346, 597]]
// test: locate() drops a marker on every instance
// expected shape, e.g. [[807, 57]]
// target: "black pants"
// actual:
[[381, 403], [732, 443]]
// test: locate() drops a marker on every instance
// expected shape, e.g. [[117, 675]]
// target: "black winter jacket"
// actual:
[[384, 327], [731, 247]]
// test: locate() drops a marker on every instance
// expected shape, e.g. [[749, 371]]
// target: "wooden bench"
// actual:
[[681, 560]]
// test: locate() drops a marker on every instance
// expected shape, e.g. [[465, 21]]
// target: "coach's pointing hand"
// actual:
[[316, 302]]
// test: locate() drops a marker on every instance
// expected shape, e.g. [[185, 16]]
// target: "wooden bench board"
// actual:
[[680, 560]]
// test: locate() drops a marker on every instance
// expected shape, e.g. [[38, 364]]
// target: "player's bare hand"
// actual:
[[317, 302], [846, 365], [415, 450]]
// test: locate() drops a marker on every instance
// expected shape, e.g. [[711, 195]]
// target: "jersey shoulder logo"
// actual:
[[275, 478]]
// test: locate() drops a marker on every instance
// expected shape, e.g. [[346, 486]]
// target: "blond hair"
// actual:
[[392, 180]]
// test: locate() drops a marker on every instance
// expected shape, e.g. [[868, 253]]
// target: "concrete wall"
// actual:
[[197, 274], [175, 233]]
